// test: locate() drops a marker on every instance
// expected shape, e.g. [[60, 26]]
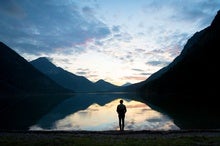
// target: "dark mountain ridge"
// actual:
[[25, 93], [102, 84], [187, 88], [70, 80], [18, 74]]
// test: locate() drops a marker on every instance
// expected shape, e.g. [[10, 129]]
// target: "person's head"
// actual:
[[121, 101]]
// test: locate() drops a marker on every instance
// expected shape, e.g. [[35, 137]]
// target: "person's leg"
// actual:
[[119, 118], [123, 123]]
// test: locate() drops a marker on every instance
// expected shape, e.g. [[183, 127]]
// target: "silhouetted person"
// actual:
[[121, 110]]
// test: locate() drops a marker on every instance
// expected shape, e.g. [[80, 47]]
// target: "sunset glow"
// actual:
[[139, 116], [119, 41]]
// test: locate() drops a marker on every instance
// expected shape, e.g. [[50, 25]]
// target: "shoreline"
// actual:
[[111, 138], [115, 132]]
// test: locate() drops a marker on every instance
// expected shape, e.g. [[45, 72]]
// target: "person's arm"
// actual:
[[125, 109]]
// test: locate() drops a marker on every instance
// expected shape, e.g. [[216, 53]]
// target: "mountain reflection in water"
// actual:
[[98, 117]]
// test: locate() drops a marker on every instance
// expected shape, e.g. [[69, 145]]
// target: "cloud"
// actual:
[[139, 78], [161, 57], [48, 26], [122, 36], [138, 70], [146, 74], [11, 8], [187, 11], [116, 29], [82, 69], [203, 12], [158, 63], [138, 106], [137, 38], [81, 73], [140, 50], [154, 120], [87, 10], [86, 72]]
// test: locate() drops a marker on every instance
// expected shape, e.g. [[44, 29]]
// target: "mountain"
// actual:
[[105, 85], [126, 84], [17, 74], [69, 80], [187, 89], [25, 93]]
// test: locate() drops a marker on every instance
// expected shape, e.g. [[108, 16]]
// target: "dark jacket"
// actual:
[[121, 109]]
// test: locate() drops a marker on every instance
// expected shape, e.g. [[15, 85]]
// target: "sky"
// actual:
[[119, 41]]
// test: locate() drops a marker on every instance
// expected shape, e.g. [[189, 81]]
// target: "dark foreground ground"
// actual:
[[110, 138]]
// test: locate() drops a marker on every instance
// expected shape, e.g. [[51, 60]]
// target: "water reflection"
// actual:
[[97, 117]]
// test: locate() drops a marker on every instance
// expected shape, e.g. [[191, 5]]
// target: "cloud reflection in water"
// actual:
[[139, 116]]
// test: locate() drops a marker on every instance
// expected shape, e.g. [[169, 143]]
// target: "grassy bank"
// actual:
[[110, 138]]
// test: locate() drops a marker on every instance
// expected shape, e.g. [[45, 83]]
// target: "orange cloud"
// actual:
[[140, 78]]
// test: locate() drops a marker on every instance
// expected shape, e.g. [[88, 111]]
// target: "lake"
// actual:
[[97, 112]]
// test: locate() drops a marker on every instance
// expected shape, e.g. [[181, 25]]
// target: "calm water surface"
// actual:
[[97, 112]]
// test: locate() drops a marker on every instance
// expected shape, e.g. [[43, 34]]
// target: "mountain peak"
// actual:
[[42, 60], [45, 65], [126, 84], [18, 75], [216, 21], [101, 81]]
